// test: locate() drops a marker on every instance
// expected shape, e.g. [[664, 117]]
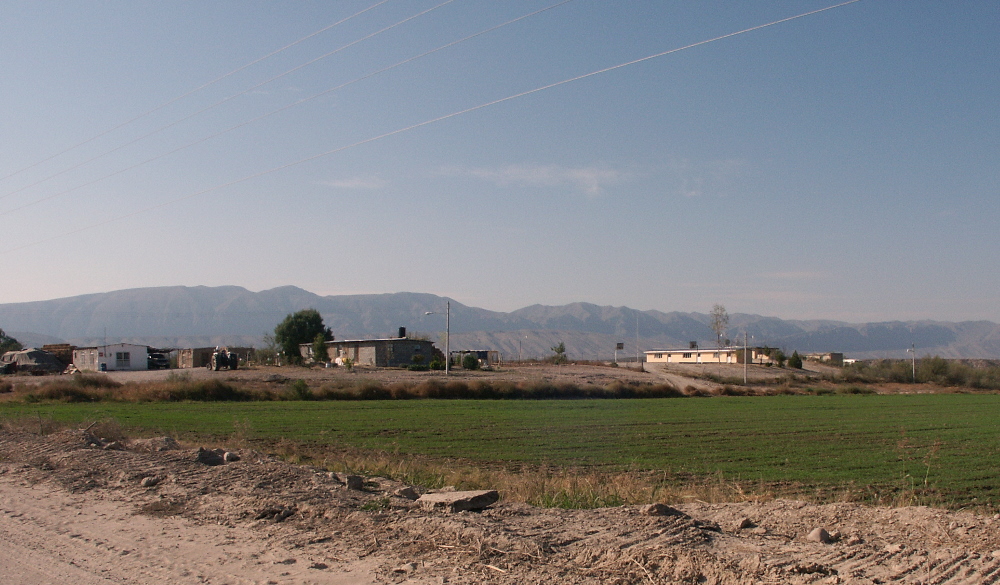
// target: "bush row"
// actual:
[[99, 388], [932, 370]]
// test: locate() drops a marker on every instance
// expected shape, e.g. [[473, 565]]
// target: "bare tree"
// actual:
[[720, 322]]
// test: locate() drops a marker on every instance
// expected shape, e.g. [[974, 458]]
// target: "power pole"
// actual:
[[746, 354], [913, 360], [447, 338]]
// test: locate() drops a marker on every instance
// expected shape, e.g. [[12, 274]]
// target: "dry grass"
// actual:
[[542, 486]]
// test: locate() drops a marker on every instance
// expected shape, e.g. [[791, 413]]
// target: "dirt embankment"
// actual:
[[71, 511]]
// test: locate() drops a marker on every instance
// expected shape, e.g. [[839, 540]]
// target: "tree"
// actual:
[[298, 328], [795, 361], [319, 348], [8, 343], [470, 362], [720, 322], [560, 353]]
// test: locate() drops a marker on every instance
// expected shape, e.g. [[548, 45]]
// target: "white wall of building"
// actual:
[[115, 357]]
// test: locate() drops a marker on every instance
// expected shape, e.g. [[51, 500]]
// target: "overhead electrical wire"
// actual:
[[191, 92], [426, 123], [227, 99], [11, 210]]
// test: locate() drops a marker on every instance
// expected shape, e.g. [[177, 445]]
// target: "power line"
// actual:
[[427, 123], [227, 99], [191, 92], [273, 112]]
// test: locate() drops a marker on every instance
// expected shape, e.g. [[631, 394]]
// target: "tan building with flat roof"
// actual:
[[695, 355]]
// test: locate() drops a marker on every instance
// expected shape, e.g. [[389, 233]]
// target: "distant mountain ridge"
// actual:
[[179, 316]]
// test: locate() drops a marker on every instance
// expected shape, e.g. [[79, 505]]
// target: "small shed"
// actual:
[[112, 357], [200, 357]]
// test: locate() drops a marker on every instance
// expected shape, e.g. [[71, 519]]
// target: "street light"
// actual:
[[447, 336]]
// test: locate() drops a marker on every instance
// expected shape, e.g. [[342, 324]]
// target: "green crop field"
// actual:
[[947, 446]]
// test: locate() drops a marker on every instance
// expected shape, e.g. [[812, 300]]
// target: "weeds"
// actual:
[[929, 370], [543, 486], [376, 505], [491, 390]]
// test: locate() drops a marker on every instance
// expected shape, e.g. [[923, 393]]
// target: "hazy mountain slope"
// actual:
[[178, 316]]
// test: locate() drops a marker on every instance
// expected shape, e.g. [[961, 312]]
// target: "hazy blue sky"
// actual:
[[842, 165]]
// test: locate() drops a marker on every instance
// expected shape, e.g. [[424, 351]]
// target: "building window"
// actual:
[[715, 355], [658, 356], [687, 355], [123, 359]]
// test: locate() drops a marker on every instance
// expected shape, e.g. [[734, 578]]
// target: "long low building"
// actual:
[[695, 355], [393, 352]]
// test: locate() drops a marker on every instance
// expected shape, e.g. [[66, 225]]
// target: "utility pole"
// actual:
[[638, 363], [746, 355], [913, 360], [447, 336]]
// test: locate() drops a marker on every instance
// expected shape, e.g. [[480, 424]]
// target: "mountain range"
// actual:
[[178, 316]]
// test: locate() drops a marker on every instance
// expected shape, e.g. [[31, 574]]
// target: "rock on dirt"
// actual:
[[407, 492], [660, 510], [819, 535], [155, 444], [459, 501]]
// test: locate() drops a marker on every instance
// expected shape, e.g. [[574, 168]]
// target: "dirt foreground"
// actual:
[[74, 512]]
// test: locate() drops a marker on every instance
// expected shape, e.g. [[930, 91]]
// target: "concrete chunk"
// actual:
[[459, 501]]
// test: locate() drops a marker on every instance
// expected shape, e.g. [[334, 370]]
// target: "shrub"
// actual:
[[470, 362], [855, 390], [795, 361], [320, 353], [210, 391], [299, 390]]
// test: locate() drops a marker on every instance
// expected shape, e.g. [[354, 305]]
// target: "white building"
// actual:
[[107, 358], [695, 355]]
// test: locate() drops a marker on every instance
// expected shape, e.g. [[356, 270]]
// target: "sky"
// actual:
[[841, 165]]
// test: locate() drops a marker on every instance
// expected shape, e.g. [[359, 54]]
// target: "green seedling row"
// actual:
[[942, 445]]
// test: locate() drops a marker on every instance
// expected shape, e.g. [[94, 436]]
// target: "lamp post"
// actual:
[[447, 336]]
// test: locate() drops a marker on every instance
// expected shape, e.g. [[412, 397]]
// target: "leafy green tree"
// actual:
[[795, 361], [470, 362], [320, 354], [8, 343], [298, 328], [560, 353]]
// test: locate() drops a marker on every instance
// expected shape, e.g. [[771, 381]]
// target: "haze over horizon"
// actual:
[[842, 165]]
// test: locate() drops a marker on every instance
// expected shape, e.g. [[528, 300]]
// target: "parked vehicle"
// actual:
[[157, 361]]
